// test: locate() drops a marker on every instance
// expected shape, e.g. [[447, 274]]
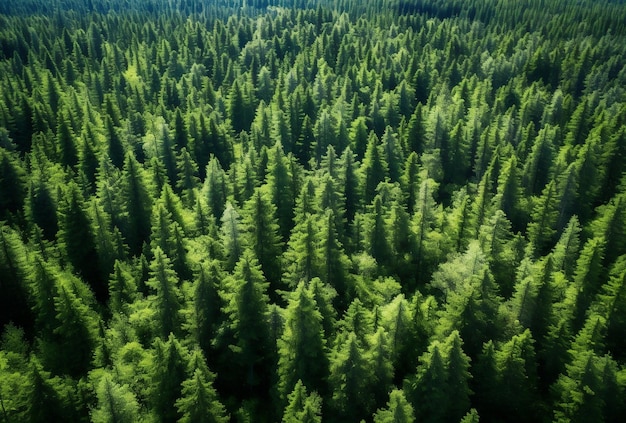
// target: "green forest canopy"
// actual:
[[299, 211]]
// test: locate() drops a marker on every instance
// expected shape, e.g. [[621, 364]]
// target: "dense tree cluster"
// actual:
[[302, 211]]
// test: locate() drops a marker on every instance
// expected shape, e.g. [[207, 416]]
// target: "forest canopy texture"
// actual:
[[307, 211]]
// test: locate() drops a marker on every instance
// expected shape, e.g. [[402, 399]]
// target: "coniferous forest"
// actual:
[[312, 211]]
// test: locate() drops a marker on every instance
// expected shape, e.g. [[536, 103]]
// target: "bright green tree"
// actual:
[[116, 403], [302, 348], [349, 380], [303, 407], [199, 401], [398, 410], [262, 230], [165, 297]]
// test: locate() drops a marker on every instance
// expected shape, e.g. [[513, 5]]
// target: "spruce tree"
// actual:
[[398, 410], [165, 296], [263, 234], [116, 403], [138, 205], [302, 348]]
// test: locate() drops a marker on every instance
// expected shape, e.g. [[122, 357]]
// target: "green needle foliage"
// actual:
[[386, 210]]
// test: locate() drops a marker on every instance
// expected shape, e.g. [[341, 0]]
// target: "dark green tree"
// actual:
[[374, 169], [246, 310], [206, 306], [77, 239], [281, 188], [137, 204], [71, 350], [44, 402], [168, 372], [349, 380], [428, 390]]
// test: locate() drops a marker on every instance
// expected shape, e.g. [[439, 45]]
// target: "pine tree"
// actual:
[[108, 239], [611, 304], [165, 298], [303, 407], [168, 237], [14, 290], [75, 332], [349, 380], [610, 225], [13, 188], [325, 296], [262, 231], [280, 186], [41, 207], [77, 239], [396, 319], [44, 403], [350, 181], [215, 189], [392, 153], [374, 169], [358, 136], [168, 373], [360, 321], [428, 391], [122, 288], [231, 236], [577, 390], [565, 252], [517, 389], [424, 220], [382, 365], [301, 258], [458, 365], [416, 131], [302, 348], [536, 166], [541, 230], [376, 237], [507, 196], [401, 240], [116, 403], [305, 142], [330, 197], [66, 142], [472, 302], [246, 308], [199, 401], [398, 410], [409, 181], [181, 134], [333, 261], [187, 178], [138, 205], [496, 241], [115, 148], [588, 277], [206, 306]]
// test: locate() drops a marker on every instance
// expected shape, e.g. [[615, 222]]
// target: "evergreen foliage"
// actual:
[[387, 211]]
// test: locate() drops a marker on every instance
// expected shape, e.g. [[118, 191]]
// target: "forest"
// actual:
[[312, 211]]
